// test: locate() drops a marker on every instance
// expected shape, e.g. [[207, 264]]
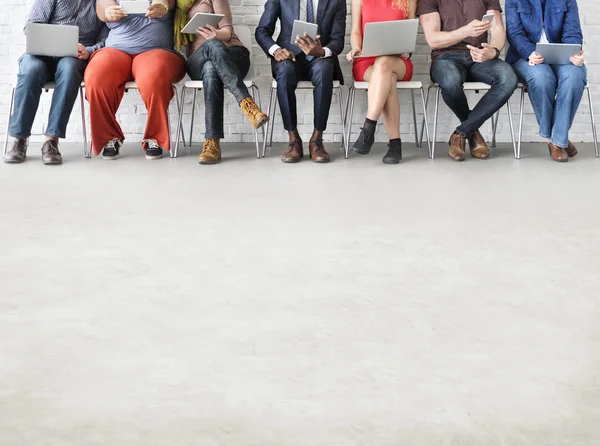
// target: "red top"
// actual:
[[379, 11]]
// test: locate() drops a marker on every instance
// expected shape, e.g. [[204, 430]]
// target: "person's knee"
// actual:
[[285, 71], [209, 71], [573, 77], [32, 68], [213, 46], [384, 63], [323, 70], [70, 70], [507, 78], [447, 76]]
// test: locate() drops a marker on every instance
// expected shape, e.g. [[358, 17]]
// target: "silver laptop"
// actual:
[[389, 38], [52, 40], [557, 53]]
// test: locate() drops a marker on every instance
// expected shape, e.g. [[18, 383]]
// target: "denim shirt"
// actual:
[[524, 22]]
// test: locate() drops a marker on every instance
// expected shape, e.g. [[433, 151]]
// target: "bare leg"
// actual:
[[391, 111]]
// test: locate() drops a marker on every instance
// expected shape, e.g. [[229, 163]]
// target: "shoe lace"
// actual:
[[112, 144], [52, 147], [210, 147], [364, 134], [251, 108], [151, 144], [319, 143]]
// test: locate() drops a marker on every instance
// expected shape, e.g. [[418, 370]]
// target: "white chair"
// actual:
[[468, 86], [302, 85], [400, 86], [243, 33], [132, 85], [47, 87], [523, 89]]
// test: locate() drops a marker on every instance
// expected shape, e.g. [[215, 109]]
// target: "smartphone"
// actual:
[[488, 17]]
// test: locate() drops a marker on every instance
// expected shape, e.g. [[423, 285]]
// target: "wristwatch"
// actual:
[[497, 53]]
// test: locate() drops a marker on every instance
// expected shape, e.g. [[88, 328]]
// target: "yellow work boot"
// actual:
[[250, 109], [211, 152]]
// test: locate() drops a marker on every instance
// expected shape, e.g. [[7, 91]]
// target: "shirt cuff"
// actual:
[[273, 49], [328, 53]]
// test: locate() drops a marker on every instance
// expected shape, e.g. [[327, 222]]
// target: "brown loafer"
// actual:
[[18, 153], [571, 150], [293, 153], [478, 147], [317, 152], [50, 152], [457, 147], [558, 153]]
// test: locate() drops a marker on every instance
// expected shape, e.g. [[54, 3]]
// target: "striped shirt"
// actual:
[[82, 13]]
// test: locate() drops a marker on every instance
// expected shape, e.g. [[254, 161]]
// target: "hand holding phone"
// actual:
[[488, 18]]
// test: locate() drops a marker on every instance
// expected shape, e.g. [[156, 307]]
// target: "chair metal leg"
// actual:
[[435, 119], [193, 113], [87, 153], [10, 112], [510, 124], [426, 123], [414, 110], [178, 111], [341, 101], [252, 94], [179, 123], [269, 123], [521, 113], [593, 120], [495, 118], [273, 120], [425, 117], [258, 101], [351, 97]]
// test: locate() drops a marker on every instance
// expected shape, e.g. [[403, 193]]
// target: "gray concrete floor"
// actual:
[[261, 304]]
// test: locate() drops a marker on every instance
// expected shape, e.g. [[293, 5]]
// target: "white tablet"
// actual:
[[300, 28], [557, 53], [200, 20], [135, 6]]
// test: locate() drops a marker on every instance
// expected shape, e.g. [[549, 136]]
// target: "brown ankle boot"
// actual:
[[211, 152], [558, 153], [251, 110], [478, 147], [50, 153], [571, 150], [457, 147]]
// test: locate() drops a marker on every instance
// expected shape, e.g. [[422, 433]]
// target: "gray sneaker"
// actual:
[[18, 152]]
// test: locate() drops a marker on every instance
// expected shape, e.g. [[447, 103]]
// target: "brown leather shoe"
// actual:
[[211, 152], [317, 152], [254, 114], [293, 153], [50, 153], [571, 150], [18, 152], [478, 147], [558, 153], [457, 147]]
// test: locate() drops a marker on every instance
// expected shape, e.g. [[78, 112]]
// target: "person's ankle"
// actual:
[[51, 138]]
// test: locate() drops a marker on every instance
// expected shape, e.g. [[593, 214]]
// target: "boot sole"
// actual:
[[460, 160], [110, 158], [14, 161], [51, 163], [156, 157], [208, 163], [361, 151], [261, 123]]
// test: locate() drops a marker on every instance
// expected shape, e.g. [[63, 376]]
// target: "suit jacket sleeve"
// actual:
[[266, 25], [515, 31], [572, 26], [338, 31]]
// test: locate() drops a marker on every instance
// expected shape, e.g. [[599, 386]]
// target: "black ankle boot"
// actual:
[[394, 153]]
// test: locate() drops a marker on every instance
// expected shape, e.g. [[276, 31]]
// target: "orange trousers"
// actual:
[[154, 71]]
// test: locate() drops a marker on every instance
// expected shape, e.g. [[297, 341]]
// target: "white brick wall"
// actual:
[[132, 114]]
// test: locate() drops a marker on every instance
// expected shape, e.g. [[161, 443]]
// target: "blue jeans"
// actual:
[[451, 71], [555, 92], [34, 72], [218, 67]]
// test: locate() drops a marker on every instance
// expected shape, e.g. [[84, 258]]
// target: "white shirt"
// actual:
[[328, 52], [543, 39]]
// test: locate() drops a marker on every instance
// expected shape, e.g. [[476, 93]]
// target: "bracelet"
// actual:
[[163, 5]]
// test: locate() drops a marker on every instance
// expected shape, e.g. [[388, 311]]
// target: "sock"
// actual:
[[370, 126], [395, 143]]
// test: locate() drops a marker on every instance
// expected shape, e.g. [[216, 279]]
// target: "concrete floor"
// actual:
[[260, 304]]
